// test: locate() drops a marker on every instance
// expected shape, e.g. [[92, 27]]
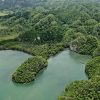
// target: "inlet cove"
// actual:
[[62, 69]]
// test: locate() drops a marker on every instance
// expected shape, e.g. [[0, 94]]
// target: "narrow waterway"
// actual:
[[62, 69]]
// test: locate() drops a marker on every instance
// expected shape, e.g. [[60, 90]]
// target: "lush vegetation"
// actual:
[[32, 26], [45, 50], [47, 28], [29, 69], [84, 44], [93, 67], [83, 90], [96, 52], [86, 90]]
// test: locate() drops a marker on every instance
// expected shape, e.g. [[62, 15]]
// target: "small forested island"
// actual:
[[45, 28], [28, 70]]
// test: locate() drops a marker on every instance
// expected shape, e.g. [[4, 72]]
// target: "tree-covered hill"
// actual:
[[9, 4], [70, 24]]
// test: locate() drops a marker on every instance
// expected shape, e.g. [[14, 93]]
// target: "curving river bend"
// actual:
[[62, 69]]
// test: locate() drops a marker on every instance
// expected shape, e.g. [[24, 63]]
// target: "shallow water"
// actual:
[[62, 69]]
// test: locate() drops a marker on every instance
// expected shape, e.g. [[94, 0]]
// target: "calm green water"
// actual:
[[62, 70]]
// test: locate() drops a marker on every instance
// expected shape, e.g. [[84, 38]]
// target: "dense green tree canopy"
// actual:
[[83, 90], [97, 29], [93, 67], [84, 45], [96, 52], [29, 69]]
